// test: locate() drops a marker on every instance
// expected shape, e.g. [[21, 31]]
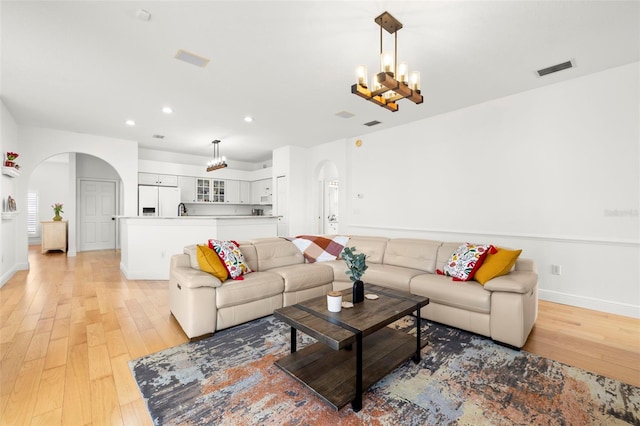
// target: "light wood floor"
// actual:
[[70, 324]]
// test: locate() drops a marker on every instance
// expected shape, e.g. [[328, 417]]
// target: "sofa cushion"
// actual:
[[339, 269], [316, 248], [467, 295], [373, 247], [249, 253], [276, 252], [444, 253], [303, 276], [412, 253], [209, 262], [496, 265], [390, 276], [255, 286]]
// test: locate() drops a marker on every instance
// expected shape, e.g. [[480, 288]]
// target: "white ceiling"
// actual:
[[89, 66]]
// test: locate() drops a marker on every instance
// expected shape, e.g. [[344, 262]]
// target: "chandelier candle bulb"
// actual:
[[387, 63], [376, 83], [403, 72], [361, 74], [415, 81]]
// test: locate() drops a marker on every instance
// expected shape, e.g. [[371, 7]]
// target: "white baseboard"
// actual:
[[7, 275], [616, 308], [144, 274]]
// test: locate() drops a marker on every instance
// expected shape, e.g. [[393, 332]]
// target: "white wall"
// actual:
[[50, 181], [293, 162], [555, 171], [8, 228]]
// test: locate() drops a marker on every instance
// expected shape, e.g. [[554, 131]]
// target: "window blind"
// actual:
[[32, 213]]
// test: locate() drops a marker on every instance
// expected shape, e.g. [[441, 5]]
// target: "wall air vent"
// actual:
[[158, 136], [555, 68], [372, 123]]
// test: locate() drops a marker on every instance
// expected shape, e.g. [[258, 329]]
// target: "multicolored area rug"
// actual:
[[463, 379]]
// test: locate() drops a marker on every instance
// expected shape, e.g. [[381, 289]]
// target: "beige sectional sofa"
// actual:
[[504, 309]]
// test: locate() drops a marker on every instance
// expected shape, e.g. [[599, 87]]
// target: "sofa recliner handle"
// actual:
[[179, 286]]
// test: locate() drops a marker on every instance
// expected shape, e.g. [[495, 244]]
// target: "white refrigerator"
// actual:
[[158, 201]]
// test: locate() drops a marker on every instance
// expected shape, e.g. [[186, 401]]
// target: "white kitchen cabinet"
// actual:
[[54, 235], [232, 191], [157, 179], [261, 191], [187, 185], [236, 192], [244, 192]]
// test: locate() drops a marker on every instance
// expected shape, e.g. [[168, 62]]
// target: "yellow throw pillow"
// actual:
[[496, 265], [210, 262]]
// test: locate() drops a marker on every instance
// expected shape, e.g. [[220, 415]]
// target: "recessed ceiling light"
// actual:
[[248, 119], [130, 123], [143, 15], [167, 110]]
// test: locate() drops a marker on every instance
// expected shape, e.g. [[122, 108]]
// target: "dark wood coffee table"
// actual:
[[332, 368]]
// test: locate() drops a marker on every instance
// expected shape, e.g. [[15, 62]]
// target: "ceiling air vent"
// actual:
[[345, 114], [555, 68], [192, 58], [372, 123]]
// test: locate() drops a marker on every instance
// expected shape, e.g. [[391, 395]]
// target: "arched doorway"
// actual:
[[89, 190]]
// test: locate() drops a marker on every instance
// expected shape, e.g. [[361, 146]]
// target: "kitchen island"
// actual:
[[147, 243]]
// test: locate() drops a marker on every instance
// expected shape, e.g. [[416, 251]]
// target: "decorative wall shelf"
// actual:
[[10, 171], [9, 215]]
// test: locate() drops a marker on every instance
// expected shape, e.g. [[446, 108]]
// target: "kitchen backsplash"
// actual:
[[223, 209]]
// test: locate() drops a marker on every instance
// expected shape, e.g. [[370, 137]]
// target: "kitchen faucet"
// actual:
[[182, 209]]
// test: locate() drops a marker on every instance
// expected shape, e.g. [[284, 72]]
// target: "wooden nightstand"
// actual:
[[54, 235]]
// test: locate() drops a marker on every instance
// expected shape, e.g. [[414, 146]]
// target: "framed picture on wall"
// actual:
[[11, 204]]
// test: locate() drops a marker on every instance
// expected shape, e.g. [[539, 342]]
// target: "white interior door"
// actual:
[[282, 209], [97, 215]]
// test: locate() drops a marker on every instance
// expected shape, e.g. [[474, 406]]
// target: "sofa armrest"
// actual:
[[179, 260], [181, 272], [525, 265], [514, 282]]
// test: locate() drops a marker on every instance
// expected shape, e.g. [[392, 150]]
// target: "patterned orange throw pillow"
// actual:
[[465, 261], [231, 257]]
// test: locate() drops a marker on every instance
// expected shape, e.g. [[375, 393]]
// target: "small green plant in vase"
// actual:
[[57, 209], [357, 264]]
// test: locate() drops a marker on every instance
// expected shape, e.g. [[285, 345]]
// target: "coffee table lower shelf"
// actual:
[[331, 374]]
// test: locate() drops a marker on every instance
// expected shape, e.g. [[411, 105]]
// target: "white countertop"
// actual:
[[201, 217]]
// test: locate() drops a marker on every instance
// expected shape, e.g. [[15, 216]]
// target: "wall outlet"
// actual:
[[556, 270]]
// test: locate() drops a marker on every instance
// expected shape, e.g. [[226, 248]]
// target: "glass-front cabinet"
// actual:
[[209, 191], [218, 191], [203, 190]]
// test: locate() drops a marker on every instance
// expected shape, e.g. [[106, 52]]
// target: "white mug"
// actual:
[[334, 301]]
